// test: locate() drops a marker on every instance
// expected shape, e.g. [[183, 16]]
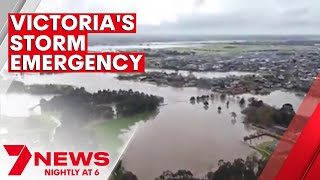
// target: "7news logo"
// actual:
[[60, 159]]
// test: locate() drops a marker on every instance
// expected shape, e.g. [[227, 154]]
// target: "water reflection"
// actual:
[[234, 115]]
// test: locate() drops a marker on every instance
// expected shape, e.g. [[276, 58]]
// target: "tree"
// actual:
[[242, 101], [238, 170], [284, 115], [120, 173], [179, 175]]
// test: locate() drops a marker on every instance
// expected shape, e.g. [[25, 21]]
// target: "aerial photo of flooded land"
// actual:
[[203, 109]]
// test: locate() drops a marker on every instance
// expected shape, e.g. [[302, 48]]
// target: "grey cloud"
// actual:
[[236, 16], [288, 16], [199, 2]]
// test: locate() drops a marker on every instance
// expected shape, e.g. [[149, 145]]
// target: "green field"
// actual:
[[266, 148], [225, 48], [108, 132]]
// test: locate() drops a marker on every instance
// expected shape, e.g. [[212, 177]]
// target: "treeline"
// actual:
[[39, 89], [128, 102], [105, 104], [239, 169], [166, 53], [260, 113]]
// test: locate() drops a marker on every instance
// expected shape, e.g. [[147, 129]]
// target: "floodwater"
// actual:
[[141, 46], [182, 136], [158, 45], [202, 74]]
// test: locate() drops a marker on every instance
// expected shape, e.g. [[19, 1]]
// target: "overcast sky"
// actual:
[[206, 16]]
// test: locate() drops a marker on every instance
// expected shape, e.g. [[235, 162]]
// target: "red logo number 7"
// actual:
[[24, 157]]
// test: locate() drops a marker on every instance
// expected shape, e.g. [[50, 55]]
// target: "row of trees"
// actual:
[[239, 169], [40, 89], [87, 106], [128, 102]]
